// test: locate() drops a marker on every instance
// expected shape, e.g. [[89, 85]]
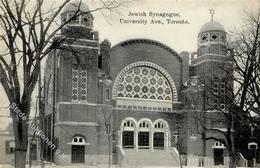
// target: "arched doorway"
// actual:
[[78, 150], [218, 149]]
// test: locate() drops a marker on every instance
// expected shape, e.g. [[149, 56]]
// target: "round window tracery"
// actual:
[[214, 36], [145, 83]]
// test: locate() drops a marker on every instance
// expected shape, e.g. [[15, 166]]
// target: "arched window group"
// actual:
[[144, 134]]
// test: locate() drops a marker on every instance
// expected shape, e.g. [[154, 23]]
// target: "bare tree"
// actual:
[[107, 123], [245, 49], [27, 32], [240, 103]]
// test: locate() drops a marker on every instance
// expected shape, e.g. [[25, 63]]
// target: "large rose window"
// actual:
[[144, 83], [144, 86]]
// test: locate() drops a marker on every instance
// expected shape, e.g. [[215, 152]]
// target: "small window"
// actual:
[[85, 19], [114, 135], [64, 19], [10, 147], [75, 18], [108, 94], [33, 151]]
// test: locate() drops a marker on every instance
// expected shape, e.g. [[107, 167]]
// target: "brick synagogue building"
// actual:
[[138, 102]]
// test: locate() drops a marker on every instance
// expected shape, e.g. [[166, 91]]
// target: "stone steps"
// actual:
[[144, 157]]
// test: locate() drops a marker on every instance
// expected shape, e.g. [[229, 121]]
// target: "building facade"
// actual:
[[138, 102]]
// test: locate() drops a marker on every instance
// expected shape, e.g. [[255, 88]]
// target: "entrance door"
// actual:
[[218, 157], [78, 154], [33, 151]]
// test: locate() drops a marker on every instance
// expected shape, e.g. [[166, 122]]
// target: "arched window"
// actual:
[[160, 134], [128, 127], [145, 85], [78, 140], [144, 133]]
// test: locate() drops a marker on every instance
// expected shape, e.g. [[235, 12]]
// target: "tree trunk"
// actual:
[[232, 163], [20, 128], [20, 159], [180, 160], [21, 144], [109, 152]]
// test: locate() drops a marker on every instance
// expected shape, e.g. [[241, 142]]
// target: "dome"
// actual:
[[73, 6], [212, 26]]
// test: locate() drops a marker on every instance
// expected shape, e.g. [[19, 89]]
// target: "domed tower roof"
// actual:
[[212, 39], [78, 19], [212, 26], [74, 6]]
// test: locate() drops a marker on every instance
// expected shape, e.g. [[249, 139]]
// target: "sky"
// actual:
[[180, 37]]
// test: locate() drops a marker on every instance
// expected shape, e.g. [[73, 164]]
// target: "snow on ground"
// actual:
[[105, 166]]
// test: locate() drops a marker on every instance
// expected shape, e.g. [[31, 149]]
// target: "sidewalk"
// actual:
[[86, 166], [105, 166]]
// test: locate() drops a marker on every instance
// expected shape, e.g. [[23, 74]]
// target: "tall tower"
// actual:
[[77, 90], [210, 89], [213, 65], [78, 20]]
